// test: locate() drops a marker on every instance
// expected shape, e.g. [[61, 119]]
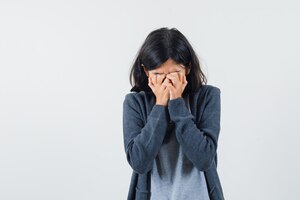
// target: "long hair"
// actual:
[[160, 45]]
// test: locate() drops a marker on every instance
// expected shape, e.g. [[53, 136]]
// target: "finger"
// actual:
[[183, 78], [155, 79], [175, 75], [161, 79], [150, 83], [166, 80], [180, 77], [165, 83], [185, 81], [167, 92], [183, 72], [171, 90], [174, 79]]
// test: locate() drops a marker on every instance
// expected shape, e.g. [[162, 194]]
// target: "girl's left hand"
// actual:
[[178, 84]]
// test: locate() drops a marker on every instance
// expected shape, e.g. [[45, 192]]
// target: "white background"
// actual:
[[64, 72]]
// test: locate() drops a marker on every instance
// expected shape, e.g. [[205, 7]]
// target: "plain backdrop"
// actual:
[[64, 72]]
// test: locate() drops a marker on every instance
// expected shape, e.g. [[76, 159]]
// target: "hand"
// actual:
[[159, 88], [178, 83]]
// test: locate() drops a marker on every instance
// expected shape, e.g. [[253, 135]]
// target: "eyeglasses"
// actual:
[[165, 75], [156, 73]]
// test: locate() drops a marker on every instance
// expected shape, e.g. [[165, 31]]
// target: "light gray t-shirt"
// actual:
[[174, 177]]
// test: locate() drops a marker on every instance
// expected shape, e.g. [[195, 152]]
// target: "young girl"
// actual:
[[171, 123]]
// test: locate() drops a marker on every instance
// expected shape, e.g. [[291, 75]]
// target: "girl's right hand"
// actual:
[[159, 88]]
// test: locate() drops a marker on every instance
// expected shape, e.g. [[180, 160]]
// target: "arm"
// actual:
[[142, 142], [198, 144]]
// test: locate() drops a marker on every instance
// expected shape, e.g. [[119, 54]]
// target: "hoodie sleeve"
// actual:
[[142, 141], [199, 144]]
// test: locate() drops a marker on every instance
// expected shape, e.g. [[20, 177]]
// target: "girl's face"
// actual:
[[170, 66]]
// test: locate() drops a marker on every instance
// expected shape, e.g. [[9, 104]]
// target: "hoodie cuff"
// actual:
[[158, 111], [177, 109]]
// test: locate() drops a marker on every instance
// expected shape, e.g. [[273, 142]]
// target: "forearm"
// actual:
[[142, 145], [198, 144]]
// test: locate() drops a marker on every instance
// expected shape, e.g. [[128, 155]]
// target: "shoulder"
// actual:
[[208, 90], [213, 90], [134, 95], [134, 98], [207, 94]]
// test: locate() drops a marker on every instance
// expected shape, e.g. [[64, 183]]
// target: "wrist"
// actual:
[[161, 103]]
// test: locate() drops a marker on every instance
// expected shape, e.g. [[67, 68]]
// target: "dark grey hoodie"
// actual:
[[145, 125]]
